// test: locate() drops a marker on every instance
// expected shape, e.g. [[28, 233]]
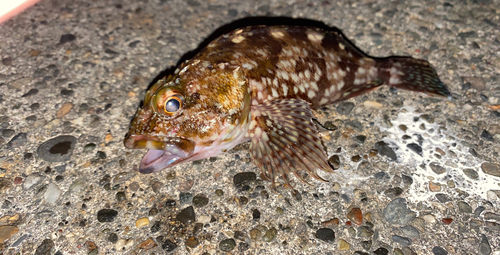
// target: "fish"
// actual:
[[260, 84]]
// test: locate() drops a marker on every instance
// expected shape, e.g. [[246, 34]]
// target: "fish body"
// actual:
[[260, 84]]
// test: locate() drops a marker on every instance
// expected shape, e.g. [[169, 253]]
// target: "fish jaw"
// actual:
[[161, 154]]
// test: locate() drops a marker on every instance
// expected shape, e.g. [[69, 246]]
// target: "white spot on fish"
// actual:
[[394, 80], [284, 75], [307, 74], [317, 75], [305, 52], [340, 85], [372, 71], [285, 89], [262, 52], [323, 101], [311, 94], [238, 39], [327, 91], [342, 73], [361, 71], [247, 66], [301, 88], [335, 76], [315, 36], [283, 63], [314, 85], [275, 93], [301, 76], [277, 34], [287, 52], [256, 84]]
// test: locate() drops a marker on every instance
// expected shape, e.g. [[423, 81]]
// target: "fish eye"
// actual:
[[167, 102], [173, 104]]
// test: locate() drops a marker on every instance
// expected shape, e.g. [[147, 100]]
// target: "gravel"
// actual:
[[412, 174]]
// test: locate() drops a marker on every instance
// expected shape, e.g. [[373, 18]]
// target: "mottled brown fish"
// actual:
[[259, 84]]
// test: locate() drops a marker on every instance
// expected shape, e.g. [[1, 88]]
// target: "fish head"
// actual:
[[201, 110]]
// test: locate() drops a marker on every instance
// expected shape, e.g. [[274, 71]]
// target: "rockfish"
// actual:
[[260, 84]]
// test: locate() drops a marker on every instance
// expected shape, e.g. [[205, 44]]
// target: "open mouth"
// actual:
[[161, 154], [156, 160]]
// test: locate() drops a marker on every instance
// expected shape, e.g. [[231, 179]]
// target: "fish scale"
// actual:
[[297, 62], [259, 84]]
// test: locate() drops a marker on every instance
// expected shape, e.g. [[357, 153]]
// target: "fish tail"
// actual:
[[411, 74]]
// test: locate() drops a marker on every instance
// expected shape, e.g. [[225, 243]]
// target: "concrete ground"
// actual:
[[416, 175]]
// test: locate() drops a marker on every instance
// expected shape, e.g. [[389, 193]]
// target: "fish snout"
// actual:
[[163, 152]]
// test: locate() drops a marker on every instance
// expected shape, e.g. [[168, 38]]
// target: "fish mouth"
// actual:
[[162, 153]]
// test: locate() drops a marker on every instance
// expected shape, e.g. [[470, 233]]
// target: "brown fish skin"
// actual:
[[260, 83]]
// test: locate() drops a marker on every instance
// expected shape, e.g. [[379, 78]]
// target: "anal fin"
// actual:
[[353, 91], [284, 140]]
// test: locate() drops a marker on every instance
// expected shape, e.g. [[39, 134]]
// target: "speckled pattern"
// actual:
[[413, 174], [260, 83]]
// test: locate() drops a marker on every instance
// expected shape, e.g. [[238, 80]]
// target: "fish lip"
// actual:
[[163, 151], [134, 141]]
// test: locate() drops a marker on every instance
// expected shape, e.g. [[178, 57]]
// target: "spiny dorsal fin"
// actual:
[[285, 140]]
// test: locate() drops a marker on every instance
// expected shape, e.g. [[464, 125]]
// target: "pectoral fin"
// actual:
[[285, 140]]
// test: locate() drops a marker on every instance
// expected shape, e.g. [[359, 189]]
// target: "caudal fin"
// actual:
[[411, 74]]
